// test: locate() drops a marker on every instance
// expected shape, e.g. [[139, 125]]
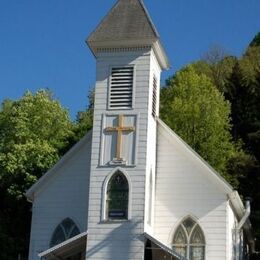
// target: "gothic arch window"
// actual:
[[117, 197], [189, 240], [65, 230]]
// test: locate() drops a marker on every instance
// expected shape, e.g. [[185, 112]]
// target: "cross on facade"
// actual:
[[120, 129]]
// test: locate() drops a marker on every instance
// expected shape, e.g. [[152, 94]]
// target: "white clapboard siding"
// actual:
[[155, 71], [185, 188], [122, 240], [64, 195]]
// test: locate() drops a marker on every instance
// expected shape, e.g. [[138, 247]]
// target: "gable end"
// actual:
[[50, 173]]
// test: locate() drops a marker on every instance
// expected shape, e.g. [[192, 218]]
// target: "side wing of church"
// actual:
[[131, 189]]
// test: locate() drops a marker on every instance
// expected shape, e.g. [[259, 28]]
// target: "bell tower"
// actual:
[[129, 58]]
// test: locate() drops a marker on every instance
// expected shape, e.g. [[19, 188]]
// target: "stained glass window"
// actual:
[[65, 230], [117, 197], [188, 223], [180, 241], [189, 240]]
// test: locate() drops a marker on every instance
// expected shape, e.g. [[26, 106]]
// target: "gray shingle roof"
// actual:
[[128, 24], [127, 20]]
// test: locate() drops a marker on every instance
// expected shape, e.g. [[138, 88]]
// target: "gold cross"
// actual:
[[120, 129]]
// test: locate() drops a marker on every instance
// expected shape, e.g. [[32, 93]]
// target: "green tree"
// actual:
[[84, 120], [193, 107], [244, 94], [217, 65], [255, 41], [33, 131], [239, 80]]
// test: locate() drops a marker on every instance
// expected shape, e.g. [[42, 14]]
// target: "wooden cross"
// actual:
[[120, 129]]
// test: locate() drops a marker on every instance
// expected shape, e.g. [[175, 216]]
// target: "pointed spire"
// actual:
[[127, 20], [128, 24]]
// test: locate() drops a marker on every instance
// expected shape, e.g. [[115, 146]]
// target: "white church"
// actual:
[[132, 189]]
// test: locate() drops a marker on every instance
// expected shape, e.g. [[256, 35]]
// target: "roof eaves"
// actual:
[[161, 55], [164, 247], [239, 209], [162, 50], [63, 244], [30, 192]]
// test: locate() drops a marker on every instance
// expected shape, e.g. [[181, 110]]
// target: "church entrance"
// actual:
[[79, 256], [154, 252]]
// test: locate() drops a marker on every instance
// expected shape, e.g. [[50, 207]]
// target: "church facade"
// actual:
[[131, 188]]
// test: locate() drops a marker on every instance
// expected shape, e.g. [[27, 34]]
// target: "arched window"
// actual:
[[65, 230], [117, 197], [189, 240]]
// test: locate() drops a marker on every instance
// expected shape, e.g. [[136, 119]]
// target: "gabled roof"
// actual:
[[128, 24], [50, 173]]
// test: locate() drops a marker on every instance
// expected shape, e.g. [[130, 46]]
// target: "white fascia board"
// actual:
[[237, 204], [161, 55], [154, 43], [239, 210], [97, 46], [30, 193], [238, 207], [217, 177], [62, 245]]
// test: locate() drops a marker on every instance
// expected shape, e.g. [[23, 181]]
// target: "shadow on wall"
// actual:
[[123, 242]]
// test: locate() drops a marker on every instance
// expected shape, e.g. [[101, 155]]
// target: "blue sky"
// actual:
[[42, 42]]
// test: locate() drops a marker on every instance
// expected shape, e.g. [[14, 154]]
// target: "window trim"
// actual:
[[133, 86], [189, 245], [101, 162], [104, 217], [60, 225]]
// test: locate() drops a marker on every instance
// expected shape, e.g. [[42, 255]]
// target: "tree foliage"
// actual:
[[239, 81], [33, 131], [193, 107], [84, 120], [255, 41], [218, 66], [243, 91]]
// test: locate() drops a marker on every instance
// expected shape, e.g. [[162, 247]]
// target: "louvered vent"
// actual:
[[121, 88], [154, 96]]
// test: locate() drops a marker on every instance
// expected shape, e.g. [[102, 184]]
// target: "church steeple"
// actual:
[[130, 59], [128, 24]]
